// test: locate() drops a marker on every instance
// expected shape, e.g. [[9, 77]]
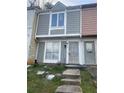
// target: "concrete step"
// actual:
[[75, 66], [69, 89], [71, 73], [71, 81]]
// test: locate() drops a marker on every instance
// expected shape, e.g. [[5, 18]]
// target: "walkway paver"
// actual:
[[71, 73], [71, 80], [69, 89]]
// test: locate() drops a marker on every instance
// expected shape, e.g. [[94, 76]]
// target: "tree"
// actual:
[[48, 5], [32, 2]]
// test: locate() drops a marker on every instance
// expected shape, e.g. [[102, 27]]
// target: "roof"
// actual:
[[89, 5], [33, 7], [70, 7]]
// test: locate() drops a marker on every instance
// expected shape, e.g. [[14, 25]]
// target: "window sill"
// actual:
[[54, 28], [51, 61]]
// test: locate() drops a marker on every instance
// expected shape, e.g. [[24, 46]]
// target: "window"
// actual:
[[52, 51], [89, 47], [54, 20], [61, 19], [57, 20]]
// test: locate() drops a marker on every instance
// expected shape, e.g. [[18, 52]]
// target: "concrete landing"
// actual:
[[68, 89]]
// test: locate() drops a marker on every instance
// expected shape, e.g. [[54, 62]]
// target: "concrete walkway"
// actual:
[[71, 82]]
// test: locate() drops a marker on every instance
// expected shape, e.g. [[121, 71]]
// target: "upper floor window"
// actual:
[[57, 20], [54, 19]]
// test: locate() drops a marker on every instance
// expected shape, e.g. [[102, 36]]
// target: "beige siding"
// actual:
[[89, 19], [32, 47]]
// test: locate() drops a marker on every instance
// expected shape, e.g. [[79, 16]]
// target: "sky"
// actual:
[[68, 2], [74, 2]]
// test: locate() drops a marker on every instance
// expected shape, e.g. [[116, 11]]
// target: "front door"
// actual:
[[73, 52], [89, 52]]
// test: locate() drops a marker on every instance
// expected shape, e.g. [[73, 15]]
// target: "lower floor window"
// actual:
[[52, 51]]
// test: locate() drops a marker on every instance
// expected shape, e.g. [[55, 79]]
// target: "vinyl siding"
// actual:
[[55, 32], [73, 22], [40, 55], [89, 21], [43, 24]]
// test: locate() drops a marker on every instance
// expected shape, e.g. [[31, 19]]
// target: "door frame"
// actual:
[[94, 46], [67, 50]]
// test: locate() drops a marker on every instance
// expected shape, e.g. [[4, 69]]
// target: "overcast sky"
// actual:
[[68, 2], [75, 2]]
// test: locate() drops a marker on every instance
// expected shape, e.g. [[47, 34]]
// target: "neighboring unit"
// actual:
[[31, 44], [89, 32], [67, 34]]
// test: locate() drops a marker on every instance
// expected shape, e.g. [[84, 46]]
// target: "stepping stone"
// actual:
[[40, 72], [71, 81], [71, 73], [68, 89]]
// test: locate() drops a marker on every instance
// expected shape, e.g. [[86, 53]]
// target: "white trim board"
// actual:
[[60, 35], [37, 50], [36, 25], [43, 13], [81, 23]]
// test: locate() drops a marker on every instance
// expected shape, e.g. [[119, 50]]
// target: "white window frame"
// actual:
[[52, 61], [57, 27]]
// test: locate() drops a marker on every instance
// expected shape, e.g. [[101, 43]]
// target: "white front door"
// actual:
[[73, 52]]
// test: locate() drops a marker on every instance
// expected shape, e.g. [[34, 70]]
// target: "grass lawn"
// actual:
[[39, 84], [87, 84]]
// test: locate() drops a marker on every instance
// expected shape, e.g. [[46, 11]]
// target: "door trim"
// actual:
[[67, 53], [94, 51]]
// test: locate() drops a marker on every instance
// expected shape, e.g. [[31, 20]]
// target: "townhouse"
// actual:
[[67, 35]]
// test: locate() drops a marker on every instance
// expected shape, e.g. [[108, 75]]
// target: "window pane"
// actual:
[[54, 19], [55, 47], [48, 55], [52, 51], [48, 47], [55, 56], [89, 47], [61, 19]]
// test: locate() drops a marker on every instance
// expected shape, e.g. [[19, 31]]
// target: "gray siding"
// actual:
[[55, 32], [63, 52], [40, 55], [43, 25], [73, 22]]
